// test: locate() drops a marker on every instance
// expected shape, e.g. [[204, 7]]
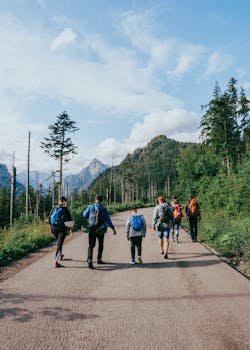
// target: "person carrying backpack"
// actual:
[[194, 215], [163, 222], [177, 213], [98, 221], [59, 215], [135, 230]]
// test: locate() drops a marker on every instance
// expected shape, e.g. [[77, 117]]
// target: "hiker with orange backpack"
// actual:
[[177, 211], [193, 215]]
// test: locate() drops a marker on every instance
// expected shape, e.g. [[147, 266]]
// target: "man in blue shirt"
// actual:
[[99, 220]]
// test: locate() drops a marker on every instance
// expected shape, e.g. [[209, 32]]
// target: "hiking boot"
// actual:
[[57, 264], [132, 262], [140, 260], [61, 257], [91, 265], [166, 256]]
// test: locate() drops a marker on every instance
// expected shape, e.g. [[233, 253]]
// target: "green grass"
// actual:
[[229, 235], [19, 241], [25, 238]]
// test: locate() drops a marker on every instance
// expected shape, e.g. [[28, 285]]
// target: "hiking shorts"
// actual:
[[163, 234]]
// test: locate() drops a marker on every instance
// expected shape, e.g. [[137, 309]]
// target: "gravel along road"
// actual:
[[192, 300]]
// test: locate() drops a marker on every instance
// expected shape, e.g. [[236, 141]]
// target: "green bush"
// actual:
[[229, 235], [16, 244]]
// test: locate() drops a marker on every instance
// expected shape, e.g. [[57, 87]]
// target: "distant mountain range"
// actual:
[[79, 181], [85, 177], [5, 179]]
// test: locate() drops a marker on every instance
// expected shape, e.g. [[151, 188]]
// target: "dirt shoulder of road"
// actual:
[[241, 266], [17, 265]]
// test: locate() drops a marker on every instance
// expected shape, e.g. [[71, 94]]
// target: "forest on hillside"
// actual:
[[216, 171]]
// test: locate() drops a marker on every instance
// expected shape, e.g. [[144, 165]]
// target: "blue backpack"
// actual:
[[137, 222], [58, 216]]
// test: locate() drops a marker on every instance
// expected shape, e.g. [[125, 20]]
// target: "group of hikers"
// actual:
[[166, 220]]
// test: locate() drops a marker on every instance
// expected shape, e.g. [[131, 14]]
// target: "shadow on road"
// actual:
[[110, 266], [21, 314]]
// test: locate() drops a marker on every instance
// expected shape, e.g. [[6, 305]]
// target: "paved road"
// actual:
[[190, 301]]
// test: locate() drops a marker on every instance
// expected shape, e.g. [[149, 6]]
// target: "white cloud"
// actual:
[[246, 86], [175, 56], [67, 36], [217, 63], [173, 122], [178, 124], [116, 84], [123, 81]]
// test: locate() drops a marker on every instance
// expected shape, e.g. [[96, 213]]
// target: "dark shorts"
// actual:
[[55, 230]]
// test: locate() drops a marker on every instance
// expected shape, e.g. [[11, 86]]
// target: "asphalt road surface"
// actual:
[[192, 301]]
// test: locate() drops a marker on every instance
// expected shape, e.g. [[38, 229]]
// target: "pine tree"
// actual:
[[244, 108], [58, 145], [219, 125]]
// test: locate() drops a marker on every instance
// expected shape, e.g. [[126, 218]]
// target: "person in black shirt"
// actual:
[[58, 229]]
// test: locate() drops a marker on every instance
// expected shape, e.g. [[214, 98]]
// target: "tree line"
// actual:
[[217, 169]]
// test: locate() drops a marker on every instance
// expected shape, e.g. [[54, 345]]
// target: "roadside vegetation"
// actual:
[[216, 171], [22, 239]]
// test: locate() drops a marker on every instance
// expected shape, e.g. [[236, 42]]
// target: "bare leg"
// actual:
[[166, 247], [161, 245]]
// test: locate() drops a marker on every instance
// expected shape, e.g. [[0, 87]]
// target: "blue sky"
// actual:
[[125, 71]]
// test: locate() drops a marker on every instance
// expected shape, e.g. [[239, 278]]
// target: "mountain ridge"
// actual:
[[80, 180]]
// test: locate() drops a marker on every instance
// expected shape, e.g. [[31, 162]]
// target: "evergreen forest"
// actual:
[[216, 171]]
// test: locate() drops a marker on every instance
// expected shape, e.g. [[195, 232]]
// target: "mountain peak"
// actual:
[[86, 175]]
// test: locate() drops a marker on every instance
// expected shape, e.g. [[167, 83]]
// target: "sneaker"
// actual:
[[177, 241], [166, 256], [91, 265], [61, 257], [100, 262], [57, 264], [132, 262], [140, 260]]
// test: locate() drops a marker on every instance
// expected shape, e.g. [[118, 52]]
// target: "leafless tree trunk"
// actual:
[[13, 190], [28, 179]]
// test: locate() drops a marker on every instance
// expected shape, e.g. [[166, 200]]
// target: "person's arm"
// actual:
[[199, 213], [155, 217], [128, 224], [86, 212], [144, 227], [68, 216], [108, 220], [171, 214], [51, 213]]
